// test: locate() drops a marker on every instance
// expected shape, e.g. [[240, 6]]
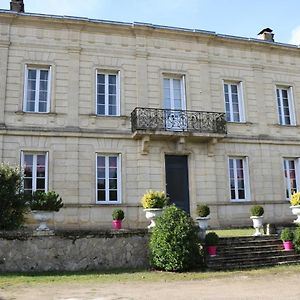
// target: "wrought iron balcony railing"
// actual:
[[153, 119]]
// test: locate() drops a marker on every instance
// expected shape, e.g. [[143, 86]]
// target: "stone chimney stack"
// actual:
[[17, 6], [266, 35]]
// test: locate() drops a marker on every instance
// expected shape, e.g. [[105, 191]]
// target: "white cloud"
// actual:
[[295, 38]]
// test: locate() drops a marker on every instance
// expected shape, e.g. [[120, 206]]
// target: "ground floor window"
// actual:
[[238, 179], [35, 166], [291, 174], [108, 178]]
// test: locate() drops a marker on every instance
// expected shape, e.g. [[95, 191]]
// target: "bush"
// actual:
[[12, 200], [295, 199], [203, 210], [174, 241], [154, 199], [118, 214], [286, 235], [49, 201], [211, 239], [257, 211], [296, 240]]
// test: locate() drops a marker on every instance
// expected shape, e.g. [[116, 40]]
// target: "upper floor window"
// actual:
[[35, 167], [234, 106], [108, 179], [108, 94], [291, 175], [239, 179], [286, 114], [37, 89], [174, 93]]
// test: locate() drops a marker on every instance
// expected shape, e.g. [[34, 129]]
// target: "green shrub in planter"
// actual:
[[286, 235], [47, 201], [211, 239], [118, 214], [203, 210], [13, 203], [174, 241], [257, 211], [296, 240]]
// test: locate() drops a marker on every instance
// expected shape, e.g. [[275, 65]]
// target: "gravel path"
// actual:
[[270, 287]]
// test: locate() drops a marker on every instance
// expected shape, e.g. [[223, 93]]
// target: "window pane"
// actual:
[[101, 161], [112, 79], [101, 78], [101, 195], [113, 195], [112, 111], [40, 185]]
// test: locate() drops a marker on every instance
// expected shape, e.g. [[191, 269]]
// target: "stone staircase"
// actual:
[[250, 252]]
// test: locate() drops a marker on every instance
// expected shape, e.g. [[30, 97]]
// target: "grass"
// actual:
[[234, 232], [12, 280]]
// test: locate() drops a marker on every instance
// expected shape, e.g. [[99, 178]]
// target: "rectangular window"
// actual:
[[108, 94], [234, 106], [238, 179], [286, 115], [37, 90], [35, 166], [174, 93], [291, 174], [108, 179]]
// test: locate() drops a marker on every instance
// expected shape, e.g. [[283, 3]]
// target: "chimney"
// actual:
[[266, 35], [17, 6]]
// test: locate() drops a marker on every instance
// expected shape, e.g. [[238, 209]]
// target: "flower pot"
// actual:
[[42, 217], [296, 211], [203, 225], [152, 214], [117, 224], [288, 245], [212, 251], [257, 224]]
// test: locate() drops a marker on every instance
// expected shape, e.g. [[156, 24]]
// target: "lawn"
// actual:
[[234, 232], [134, 276]]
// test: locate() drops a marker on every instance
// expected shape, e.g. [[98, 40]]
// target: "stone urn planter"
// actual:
[[42, 217], [257, 224], [203, 225], [296, 212], [152, 214]]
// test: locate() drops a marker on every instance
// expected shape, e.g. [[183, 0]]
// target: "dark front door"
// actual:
[[177, 181]]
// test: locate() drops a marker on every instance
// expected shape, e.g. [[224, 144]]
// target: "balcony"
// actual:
[[166, 122]]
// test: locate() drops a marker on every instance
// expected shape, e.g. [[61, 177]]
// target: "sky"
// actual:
[[233, 17]]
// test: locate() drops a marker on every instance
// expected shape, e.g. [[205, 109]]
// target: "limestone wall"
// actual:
[[73, 251]]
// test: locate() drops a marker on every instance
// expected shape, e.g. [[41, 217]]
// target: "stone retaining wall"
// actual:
[[73, 251]]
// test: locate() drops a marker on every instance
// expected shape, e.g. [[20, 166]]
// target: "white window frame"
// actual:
[[280, 111], [183, 92], [118, 92], [287, 185], [119, 189], [34, 167], [37, 88], [239, 85], [246, 178]]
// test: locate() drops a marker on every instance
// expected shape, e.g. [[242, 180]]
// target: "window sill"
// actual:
[[239, 123], [283, 126], [105, 116], [21, 113]]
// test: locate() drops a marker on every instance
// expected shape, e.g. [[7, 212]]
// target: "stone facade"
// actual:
[[72, 133], [73, 251]]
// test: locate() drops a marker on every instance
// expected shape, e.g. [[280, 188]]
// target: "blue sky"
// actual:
[[234, 17]]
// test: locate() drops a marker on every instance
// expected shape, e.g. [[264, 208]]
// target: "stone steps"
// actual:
[[250, 252]]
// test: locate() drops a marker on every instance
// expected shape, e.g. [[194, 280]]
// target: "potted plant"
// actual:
[[118, 216], [287, 236], [43, 205], [211, 242], [153, 203], [295, 206], [203, 216], [257, 215]]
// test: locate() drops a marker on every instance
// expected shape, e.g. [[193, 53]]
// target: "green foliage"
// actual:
[[118, 214], [174, 241], [296, 240], [12, 200], [154, 199], [211, 239], [286, 235], [49, 201], [203, 210], [257, 211]]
